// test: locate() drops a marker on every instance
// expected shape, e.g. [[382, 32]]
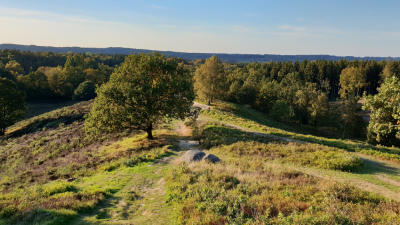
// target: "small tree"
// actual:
[[142, 91], [85, 91], [282, 111], [210, 79], [12, 104]]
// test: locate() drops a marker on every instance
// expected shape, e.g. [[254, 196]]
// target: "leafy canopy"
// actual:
[[210, 79], [143, 90], [384, 125], [85, 91], [12, 104], [351, 80]]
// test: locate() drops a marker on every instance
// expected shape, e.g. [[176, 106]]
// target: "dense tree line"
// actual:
[[297, 92], [31, 61], [56, 76]]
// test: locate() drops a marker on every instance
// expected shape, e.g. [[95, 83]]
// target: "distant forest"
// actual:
[[62, 73], [236, 58]]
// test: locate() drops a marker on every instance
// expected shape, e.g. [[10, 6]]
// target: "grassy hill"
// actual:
[[270, 173]]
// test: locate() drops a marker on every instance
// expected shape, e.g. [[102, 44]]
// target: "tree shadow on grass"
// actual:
[[45, 123]]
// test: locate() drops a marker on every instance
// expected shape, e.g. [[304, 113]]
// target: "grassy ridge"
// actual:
[[248, 118], [255, 149], [256, 183]]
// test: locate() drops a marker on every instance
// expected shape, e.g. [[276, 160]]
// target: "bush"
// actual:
[[85, 91], [281, 111]]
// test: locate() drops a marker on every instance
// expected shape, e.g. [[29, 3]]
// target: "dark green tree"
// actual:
[[12, 104], [145, 89], [85, 91], [35, 85]]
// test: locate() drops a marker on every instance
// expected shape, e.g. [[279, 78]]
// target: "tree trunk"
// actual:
[[149, 132], [209, 101], [344, 131], [1, 132]]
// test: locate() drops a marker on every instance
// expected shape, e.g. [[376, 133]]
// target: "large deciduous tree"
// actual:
[[384, 125], [12, 104], [210, 79], [351, 81], [145, 89]]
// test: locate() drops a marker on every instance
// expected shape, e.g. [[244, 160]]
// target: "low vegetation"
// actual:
[[47, 162], [217, 194], [249, 118], [258, 182]]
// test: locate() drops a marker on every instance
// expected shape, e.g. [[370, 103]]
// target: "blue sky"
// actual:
[[352, 27]]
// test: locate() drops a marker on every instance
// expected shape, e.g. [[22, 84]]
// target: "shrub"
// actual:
[[281, 111], [85, 91]]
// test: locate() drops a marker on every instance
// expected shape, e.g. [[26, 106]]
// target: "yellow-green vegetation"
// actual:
[[50, 171], [251, 119], [204, 193], [241, 147], [263, 180], [247, 150]]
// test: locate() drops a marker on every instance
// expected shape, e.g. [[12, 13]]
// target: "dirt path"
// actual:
[[377, 176]]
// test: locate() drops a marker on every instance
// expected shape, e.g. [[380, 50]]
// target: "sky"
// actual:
[[286, 27]]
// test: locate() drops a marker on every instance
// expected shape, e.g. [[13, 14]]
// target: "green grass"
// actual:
[[204, 193], [254, 149], [40, 154], [251, 119]]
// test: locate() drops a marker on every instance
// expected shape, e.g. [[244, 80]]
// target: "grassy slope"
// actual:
[[378, 174], [248, 118], [41, 153], [117, 179], [262, 180]]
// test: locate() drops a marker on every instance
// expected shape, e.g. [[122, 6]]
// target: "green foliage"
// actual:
[[384, 125], [6, 74], [143, 90], [14, 67], [351, 81], [85, 91], [35, 85], [281, 111], [350, 119], [210, 79], [12, 104]]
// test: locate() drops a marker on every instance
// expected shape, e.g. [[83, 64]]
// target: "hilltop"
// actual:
[[189, 55], [51, 173]]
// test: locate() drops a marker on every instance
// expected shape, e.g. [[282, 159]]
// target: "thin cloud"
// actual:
[[93, 21], [288, 27], [167, 26], [156, 6], [197, 27], [19, 12]]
